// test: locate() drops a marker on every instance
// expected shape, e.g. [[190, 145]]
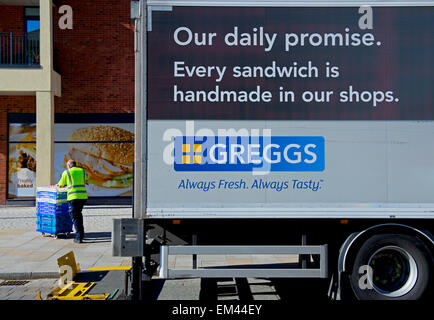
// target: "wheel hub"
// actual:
[[394, 271]]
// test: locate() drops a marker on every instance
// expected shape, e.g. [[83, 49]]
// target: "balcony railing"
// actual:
[[19, 49]]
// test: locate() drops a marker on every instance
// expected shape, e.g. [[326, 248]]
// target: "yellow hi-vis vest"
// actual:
[[75, 181]]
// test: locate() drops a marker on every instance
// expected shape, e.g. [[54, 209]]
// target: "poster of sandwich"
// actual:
[[22, 160], [105, 151]]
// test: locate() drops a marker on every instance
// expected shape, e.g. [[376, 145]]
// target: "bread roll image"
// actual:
[[106, 153]]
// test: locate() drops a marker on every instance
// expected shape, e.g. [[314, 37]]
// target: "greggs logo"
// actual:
[[249, 153], [191, 154]]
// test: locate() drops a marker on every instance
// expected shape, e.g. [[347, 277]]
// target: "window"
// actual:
[[102, 144], [21, 155], [31, 20], [32, 28]]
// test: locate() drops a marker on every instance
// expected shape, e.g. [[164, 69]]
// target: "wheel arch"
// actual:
[[351, 245]]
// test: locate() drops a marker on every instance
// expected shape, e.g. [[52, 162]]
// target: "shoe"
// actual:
[[78, 241]]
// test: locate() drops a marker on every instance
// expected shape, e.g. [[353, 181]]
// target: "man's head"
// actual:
[[71, 164]]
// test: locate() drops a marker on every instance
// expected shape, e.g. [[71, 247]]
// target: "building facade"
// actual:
[[66, 93]]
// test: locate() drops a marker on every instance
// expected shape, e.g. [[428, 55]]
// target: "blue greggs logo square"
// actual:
[[249, 153]]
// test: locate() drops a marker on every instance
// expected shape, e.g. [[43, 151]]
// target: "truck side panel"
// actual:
[[290, 112]]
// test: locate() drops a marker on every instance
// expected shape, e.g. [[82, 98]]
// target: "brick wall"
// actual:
[[96, 58], [10, 104], [11, 19]]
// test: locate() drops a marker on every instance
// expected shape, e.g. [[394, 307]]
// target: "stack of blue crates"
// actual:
[[52, 211]]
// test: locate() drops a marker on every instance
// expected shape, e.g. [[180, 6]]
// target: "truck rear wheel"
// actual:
[[391, 267]]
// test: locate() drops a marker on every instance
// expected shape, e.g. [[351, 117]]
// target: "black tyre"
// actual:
[[391, 267]]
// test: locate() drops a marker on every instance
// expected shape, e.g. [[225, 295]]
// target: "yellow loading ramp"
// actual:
[[71, 284]]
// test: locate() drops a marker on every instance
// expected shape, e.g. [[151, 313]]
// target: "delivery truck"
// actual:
[[285, 127]]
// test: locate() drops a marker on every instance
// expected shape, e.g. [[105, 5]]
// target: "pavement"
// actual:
[[28, 259], [23, 250]]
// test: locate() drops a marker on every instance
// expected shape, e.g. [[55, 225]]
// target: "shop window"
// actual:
[[104, 147], [22, 160], [104, 150]]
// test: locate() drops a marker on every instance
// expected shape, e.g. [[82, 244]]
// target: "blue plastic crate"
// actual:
[[53, 224], [52, 208], [51, 194]]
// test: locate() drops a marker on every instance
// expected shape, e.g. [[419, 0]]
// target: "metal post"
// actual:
[[22, 61], [164, 261], [194, 242], [140, 144], [144, 104], [26, 50], [304, 258], [324, 261], [136, 285], [137, 121], [11, 41]]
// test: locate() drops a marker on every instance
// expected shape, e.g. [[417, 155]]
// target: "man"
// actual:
[[75, 179]]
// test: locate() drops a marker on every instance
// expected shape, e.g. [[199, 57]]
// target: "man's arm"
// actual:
[[62, 181]]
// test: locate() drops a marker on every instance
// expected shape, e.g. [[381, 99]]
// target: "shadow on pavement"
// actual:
[[235, 289], [106, 282], [94, 237], [301, 289], [152, 289]]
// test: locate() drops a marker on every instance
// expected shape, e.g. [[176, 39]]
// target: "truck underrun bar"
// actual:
[[232, 272]]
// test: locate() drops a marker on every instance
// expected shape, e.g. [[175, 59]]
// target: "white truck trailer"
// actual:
[[285, 127]]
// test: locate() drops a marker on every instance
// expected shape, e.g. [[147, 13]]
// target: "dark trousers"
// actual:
[[76, 207]]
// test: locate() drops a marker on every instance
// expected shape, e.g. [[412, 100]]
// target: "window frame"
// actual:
[[30, 17]]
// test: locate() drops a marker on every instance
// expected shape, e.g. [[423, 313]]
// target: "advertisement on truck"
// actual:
[[273, 109]]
